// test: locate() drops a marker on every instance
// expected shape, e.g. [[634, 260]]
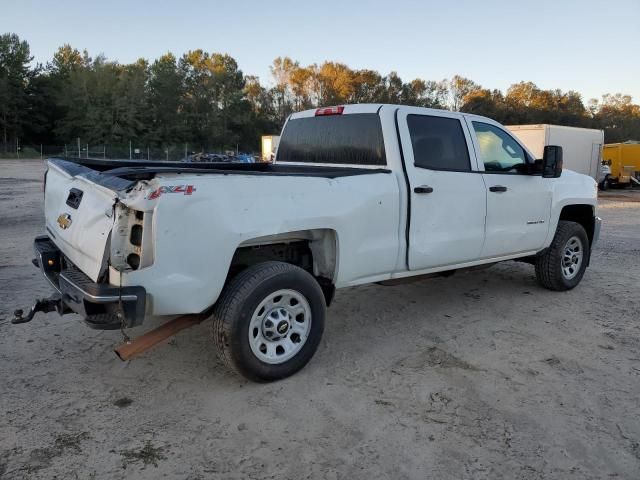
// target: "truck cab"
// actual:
[[471, 192]]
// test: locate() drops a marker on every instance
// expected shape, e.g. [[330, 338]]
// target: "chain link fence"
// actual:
[[30, 151], [133, 151]]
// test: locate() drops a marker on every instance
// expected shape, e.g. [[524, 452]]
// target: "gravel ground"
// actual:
[[479, 375]]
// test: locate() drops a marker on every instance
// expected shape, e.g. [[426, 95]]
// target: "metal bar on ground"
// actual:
[[144, 342]]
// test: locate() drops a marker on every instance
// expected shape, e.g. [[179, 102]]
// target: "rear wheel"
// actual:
[[268, 321], [562, 266]]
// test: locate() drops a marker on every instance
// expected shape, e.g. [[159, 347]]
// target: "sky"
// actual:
[[589, 46]]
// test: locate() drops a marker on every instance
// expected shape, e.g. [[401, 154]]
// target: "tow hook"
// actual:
[[51, 304]]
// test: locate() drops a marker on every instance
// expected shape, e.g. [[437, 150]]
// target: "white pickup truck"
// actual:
[[357, 194]]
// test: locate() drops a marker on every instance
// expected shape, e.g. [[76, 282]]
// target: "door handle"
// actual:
[[497, 188], [423, 189]]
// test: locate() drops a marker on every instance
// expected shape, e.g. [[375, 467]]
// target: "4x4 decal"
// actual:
[[186, 189]]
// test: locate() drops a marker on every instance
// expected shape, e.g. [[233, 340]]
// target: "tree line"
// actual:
[[205, 100]]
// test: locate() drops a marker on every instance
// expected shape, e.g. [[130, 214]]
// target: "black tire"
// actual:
[[239, 300], [549, 270]]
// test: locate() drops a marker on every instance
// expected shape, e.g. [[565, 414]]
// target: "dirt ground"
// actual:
[[479, 375]]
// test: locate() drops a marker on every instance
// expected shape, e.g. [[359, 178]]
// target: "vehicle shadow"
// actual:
[[376, 320]]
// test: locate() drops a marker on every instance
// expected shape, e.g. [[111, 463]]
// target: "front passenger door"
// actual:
[[518, 203]]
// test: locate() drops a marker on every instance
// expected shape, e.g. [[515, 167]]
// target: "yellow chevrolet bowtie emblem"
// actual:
[[64, 221]]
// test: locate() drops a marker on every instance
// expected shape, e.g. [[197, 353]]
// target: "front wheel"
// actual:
[[268, 321], [562, 266]]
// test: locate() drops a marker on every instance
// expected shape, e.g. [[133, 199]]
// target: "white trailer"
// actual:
[[582, 147]]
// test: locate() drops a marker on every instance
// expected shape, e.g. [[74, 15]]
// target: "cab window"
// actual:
[[499, 152], [354, 139], [438, 143]]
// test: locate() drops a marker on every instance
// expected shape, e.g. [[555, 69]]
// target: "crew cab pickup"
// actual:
[[357, 194]]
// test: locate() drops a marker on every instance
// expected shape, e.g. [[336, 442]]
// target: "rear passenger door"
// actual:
[[447, 199]]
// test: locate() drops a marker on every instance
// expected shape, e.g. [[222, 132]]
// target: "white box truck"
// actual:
[[582, 147]]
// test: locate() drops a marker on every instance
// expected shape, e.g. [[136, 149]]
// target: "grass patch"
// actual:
[[148, 455], [24, 153]]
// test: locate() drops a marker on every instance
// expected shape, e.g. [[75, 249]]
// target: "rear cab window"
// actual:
[[350, 139]]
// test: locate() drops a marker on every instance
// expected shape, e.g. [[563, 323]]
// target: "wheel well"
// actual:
[[312, 250], [582, 214]]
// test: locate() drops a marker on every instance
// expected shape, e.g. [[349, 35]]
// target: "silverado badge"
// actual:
[[64, 221]]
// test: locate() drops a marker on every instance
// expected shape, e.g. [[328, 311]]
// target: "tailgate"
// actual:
[[79, 215]]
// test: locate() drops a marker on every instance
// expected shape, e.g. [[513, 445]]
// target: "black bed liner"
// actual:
[[144, 169]]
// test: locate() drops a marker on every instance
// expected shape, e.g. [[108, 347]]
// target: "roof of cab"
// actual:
[[375, 108], [350, 108]]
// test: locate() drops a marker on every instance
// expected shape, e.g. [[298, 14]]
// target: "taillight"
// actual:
[[330, 111]]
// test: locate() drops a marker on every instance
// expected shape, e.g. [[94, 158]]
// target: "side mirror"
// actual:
[[552, 161]]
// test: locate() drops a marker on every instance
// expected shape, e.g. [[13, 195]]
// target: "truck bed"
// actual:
[[118, 174], [228, 207]]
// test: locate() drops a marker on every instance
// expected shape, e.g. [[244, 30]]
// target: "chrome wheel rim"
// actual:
[[280, 326], [572, 258]]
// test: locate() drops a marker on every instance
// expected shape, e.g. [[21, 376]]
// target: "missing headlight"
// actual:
[[136, 235], [133, 260]]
